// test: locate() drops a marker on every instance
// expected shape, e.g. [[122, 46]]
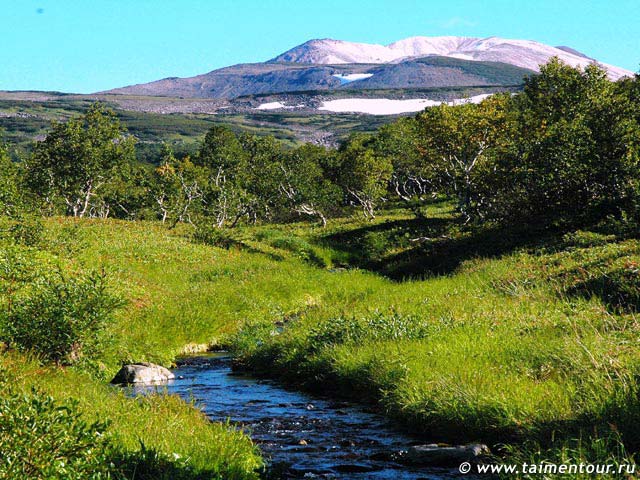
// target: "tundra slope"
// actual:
[[271, 78], [416, 62]]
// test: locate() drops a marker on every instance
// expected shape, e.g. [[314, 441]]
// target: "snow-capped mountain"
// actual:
[[522, 53], [413, 63]]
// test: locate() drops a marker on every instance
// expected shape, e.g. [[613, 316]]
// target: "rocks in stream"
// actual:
[[142, 372], [444, 456]]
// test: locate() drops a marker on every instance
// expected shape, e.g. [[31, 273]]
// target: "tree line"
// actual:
[[564, 150]]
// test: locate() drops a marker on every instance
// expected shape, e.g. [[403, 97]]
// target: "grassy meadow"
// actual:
[[535, 343], [527, 341]]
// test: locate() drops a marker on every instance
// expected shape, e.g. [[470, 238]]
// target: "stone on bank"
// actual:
[[142, 372]]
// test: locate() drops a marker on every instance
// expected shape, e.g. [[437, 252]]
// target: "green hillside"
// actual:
[[515, 341]]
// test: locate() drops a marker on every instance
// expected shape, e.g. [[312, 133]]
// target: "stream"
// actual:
[[301, 436]]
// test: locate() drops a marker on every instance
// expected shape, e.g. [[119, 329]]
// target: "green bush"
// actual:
[[586, 239], [62, 319], [46, 439], [215, 237], [24, 230], [40, 438], [18, 266], [374, 245]]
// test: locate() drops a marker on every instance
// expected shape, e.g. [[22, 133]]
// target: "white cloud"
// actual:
[[455, 22]]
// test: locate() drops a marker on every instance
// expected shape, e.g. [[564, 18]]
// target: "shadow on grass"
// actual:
[[417, 248], [618, 289]]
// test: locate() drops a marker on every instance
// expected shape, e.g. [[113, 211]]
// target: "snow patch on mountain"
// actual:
[[352, 77], [385, 106], [277, 106], [271, 106]]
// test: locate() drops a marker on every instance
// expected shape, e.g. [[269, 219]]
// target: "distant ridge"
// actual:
[[265, 78], [415, 62], [522, 53]]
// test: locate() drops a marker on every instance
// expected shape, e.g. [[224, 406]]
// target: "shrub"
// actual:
[[40, 438], [18, 266], [374, 245], [24, 230], [586, 239], [62, 319], [216, 237]]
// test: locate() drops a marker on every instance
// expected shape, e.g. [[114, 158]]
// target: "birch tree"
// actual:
[[77, 160], [363, 173], [456, 142], [304, 184]]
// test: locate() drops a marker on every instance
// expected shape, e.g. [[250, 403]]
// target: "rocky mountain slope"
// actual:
[[265, 78], [417, 62]]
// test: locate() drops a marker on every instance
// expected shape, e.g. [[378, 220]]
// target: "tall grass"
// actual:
[[510, 341], [161, 423], [530, 342]]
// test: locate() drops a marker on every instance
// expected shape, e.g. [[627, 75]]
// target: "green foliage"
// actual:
[[563, 152], [363, 173], [77, 161], [9, 193], [411, 179], [307, 184], [177, 188], [41, 438], [575, 155], [459, 144], [24, 230], [61, 319], [208, 235], [221, 150]]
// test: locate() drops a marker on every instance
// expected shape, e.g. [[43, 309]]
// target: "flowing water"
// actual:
[[302, 436]]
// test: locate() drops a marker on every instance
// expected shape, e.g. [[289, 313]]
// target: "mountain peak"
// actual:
[[522, 53], [419, 62]]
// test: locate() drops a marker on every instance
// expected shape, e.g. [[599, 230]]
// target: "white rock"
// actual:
[[142, 373], [437, 455]]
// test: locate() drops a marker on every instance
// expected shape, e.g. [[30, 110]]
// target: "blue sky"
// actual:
[[91, 45]]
